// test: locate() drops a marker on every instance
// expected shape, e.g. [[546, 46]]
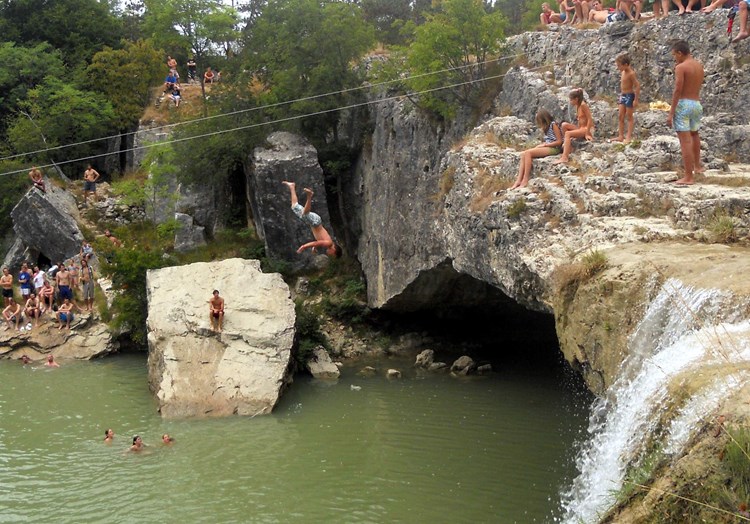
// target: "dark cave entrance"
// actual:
[[237, 213], [463, 315]]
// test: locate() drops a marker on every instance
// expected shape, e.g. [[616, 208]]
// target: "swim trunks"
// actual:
[[216, 314], [562, 17], [64, 317], [687, 115], [89, 186], [311, 219], [7, 293], [626, 99], [65, 292]]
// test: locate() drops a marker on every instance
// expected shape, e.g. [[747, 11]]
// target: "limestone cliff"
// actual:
[[603, 243], [196, 372]]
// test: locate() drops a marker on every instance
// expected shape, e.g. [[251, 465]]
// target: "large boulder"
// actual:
[[45, 226], [287, 157], [196, 372], [188, 235]]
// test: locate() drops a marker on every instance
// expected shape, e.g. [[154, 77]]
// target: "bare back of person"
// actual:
[[692, 78]]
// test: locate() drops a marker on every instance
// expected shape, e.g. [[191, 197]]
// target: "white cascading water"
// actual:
[[681, 329]]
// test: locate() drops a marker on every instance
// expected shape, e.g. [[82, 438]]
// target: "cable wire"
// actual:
[[277, 121], [267, 106]]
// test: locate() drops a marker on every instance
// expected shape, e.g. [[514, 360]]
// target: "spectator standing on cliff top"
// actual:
[[62, 279], [6, 283], [87, 279], [686, 111], [322, 239], [192, 68], [90, 176]]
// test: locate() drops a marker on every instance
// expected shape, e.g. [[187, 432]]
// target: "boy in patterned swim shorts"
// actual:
[[686, 110], [322, 238], [630, 90]]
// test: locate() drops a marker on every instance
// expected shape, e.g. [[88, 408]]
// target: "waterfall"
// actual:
[[683, 328]]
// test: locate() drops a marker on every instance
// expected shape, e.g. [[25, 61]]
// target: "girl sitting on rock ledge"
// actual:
[[582, 130], [553, 139]]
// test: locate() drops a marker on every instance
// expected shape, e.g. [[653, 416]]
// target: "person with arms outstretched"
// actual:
[[322, 239]]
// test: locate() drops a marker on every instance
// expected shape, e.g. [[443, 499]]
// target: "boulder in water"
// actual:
[[463, 365], [321, 365], [243, 370]]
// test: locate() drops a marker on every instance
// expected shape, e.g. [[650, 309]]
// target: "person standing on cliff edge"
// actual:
[[686, 111]]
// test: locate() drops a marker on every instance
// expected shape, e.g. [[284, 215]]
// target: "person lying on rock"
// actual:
[[216, 312], [322, 239]]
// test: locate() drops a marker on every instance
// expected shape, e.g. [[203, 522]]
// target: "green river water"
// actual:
[[422, 449]]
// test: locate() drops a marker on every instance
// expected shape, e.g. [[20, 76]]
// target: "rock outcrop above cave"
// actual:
[[428, 222], [44, 225], [287, 157], [194, 371]]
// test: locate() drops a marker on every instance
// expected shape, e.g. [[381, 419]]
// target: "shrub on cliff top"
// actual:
[[576, 273]]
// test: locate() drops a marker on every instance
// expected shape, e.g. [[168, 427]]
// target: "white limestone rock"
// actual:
[[321, 366], [243, 370]]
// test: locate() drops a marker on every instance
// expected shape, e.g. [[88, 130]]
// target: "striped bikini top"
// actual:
[[549, 136]]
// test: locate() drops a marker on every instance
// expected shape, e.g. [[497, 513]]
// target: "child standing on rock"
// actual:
[[630, 91]]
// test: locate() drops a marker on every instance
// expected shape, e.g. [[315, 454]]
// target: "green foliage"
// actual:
[[61, 114], [387, 16], [300, 48], [190, 26], [594, 262], [517, 208], [722, 228], [22, 69], [348, 304], [309, 333], [125, 76], [531, 11], [127, 268], [77, 28], [639, 474], [736, 459], [461, 36], [12, 189]]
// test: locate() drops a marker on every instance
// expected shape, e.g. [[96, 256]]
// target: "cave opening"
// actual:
[[237, 213], [460, 314]]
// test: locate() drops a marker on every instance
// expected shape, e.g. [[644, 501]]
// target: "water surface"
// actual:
[[422, 449]]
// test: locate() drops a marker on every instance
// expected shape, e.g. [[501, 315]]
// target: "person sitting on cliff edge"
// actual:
[[216, 311], [322, 238]]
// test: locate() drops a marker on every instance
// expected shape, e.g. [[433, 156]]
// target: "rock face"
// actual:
[[321, 365], [188, 235], [427, 222], [196, 372], [86, 339], [45, 226], [293, 158]]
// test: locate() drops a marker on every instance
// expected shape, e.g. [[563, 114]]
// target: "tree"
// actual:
[[460, 37], [77, 28], [195, 26], [300, 48], [63, 115], [22, 69], [386, 16], [137, 67]]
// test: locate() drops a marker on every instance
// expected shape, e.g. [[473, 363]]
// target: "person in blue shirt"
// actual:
[[24, 279]]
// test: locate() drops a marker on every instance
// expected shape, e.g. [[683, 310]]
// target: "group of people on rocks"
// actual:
[[172, 87], [137, 445], [48, 292], [684, 117], [90, 177], [594, 11]]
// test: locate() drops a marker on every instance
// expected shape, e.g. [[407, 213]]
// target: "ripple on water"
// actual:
[[487, 450]]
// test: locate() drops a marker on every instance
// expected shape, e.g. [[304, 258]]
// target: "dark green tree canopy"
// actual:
[[77, 28]]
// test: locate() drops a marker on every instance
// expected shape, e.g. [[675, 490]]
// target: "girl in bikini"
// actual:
[[583, 129], [553, 140]]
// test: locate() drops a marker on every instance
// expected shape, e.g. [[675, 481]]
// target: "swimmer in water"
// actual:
[[51, 362], [109, 436], [167, 440], [137, 444]]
